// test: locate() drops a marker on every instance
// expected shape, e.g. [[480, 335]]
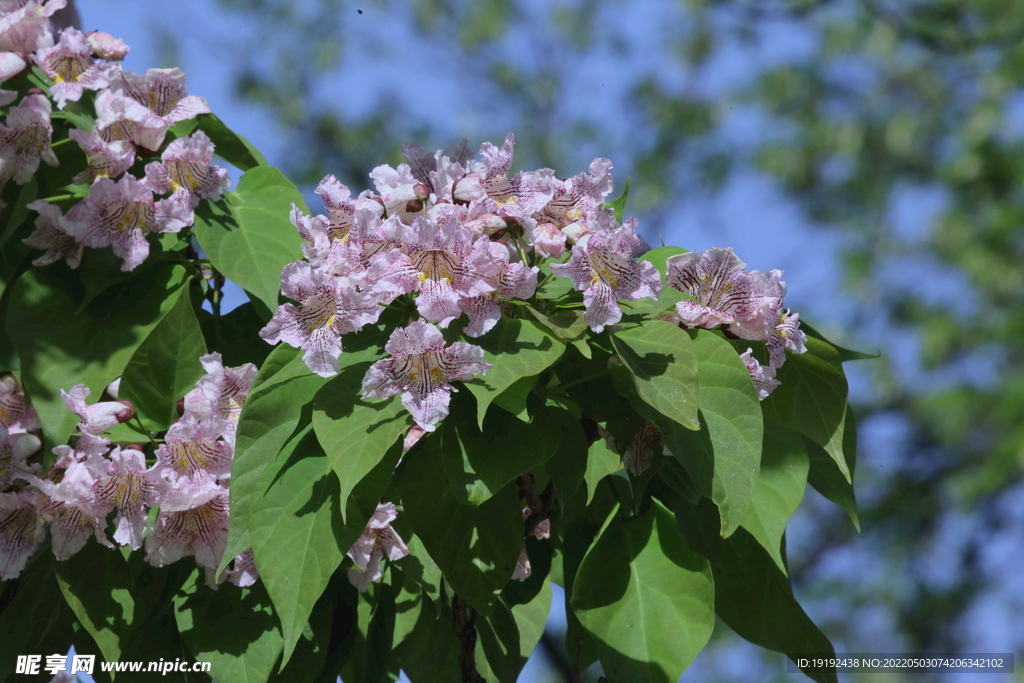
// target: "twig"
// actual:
[[465, 631]]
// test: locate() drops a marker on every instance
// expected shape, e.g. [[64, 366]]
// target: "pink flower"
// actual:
[[52, 235], [120, 118], [190, 523], [161, 93], [602, 266], [444, 263], [341, 208], [25, 26], [542, 530], [72, 510], [513, 281], [221, 393], [421, 369], [401, 193], [106, 159], [578, 197], [329, 307], [21, 532], [11, 64], [192, 451], [123, 482], [724, 293], [243, 571], [98, 417], [547, 240], [106, 46], [14, 449], [15, 415], [763, 376], [520, 196], [185, 168], [25, 139], [71, 67], [119, 214], [377, 541]]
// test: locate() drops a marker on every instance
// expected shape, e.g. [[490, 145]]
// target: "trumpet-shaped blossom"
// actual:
[[15, 415], [192, 450], [377, 541], [190, 523], [513, 281], [724, 294], [98, 417], [106, 159], [123, 482], [25, 139], [106, 46], [25, 27], [342, 208], [443, 263], [52, 235], [329, 307], [763, 376], [71, 67], [11, 64], [578, 197], [400, 192], [520, 196], [14, 449], [221, 393], [184, 168], [422, 369], [161, 93], [21, 532], [119, 214], [603, 268], [71, 508], [119, 117], [542, 530]]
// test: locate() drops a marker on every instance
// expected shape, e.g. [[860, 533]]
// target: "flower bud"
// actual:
[[11, 64], [181, 406], [106, 46], [422, 191], [414, 206], [126, 413], [487, 224]]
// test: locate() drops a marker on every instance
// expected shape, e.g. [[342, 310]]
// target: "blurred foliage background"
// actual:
[[894, 127]]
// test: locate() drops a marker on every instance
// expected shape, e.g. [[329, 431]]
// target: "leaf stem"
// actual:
[[60, 197], [581, 380]]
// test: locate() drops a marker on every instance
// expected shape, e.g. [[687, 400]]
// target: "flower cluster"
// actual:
[[747, 304], [93, 478], [133, 114], [454, 236]]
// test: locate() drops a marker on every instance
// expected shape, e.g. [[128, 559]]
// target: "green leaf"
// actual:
[[97, 586], [661, 358], [380, 634], [19, 210], [659, 256], [234, 629], [652, 308], [730, 407], [501, 648], [601, 461], [568, 466], [248, 235], [779, 490], [751, 595], [59, 349], [355, 433], [296, 534], [430, 653], [812, 398], [844, 353], [165, 366], [568, 325], [618, 206], [271, 414], [480, 462], [230, 146], [516, 349], [646, 597], [475, 547], [826, 477], [514, 398]]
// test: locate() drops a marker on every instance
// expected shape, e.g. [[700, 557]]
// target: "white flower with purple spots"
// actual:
[[21, 531], [71, 67], [377, 541], [513, 281], [98, 417], [602, 267], [119, 214], [221, 393], [421, 368], [25, 139], [192, 450], [190, 523], [52, 235], [185, 168], [444, 263], [123, 482], [106, 159], [328, 307]]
